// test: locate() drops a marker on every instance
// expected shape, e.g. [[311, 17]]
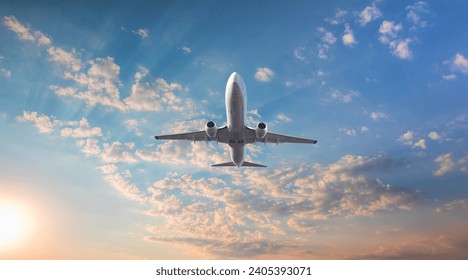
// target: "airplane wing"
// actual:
[[221, 136], [276, 138]]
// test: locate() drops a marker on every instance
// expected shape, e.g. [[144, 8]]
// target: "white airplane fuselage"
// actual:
[[236, 100]]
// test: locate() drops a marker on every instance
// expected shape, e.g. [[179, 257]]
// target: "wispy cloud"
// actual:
[[25, 33], [416, 14], [43, 122]]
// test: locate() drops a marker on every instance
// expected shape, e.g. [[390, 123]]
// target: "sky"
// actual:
[[382, 85]]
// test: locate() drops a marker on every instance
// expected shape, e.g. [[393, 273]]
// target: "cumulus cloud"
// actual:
[[156, 95], [43, 122], [338, 17], [89, 146], [83, 131], [388, 31], [369, 14], [460, 64], [265, 205], [283, 118], [401, 49], [118, 152], [348, 37], [186, 49], [264, 74], [434, 135], [126, 188]]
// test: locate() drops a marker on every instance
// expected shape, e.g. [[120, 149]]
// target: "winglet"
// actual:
[[230, 163]]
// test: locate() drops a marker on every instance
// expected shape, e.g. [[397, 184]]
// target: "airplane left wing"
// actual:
[[196, 136], [277, 138]]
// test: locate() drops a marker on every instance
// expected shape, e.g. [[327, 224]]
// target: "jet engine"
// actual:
[[211, 129], [261, 130]]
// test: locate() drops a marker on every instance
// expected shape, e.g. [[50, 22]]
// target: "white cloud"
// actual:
[[25, 33], [328, 38], [89, 146], [348, 37], [369, 14], [42, 122], [434, 135], [349, 132], [407, 138], [378, 116], [157, 95], [142, 32], [108, 168], [401, 49], [69, 59], [299, 53], [421, 144], [264, 74], [389, 30], [460, 64], [118, 152], [416, 13], [446, 164], [83, 131]]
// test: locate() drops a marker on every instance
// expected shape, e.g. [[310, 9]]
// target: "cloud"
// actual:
[[434, 135], [68, 59], [369, 14], [83, 131], [407, 138], [338, 96], [186, 49], [156, 95], [389, 30], [25, 33], [89, 146], [376, 116], [269, 206], [42, 122], [124, 187], [338, 18], [264, 74], [460, 64], [348, 37], [401, 49], [118, 152], [448, 164], [283, 118], [421, 144], [416, 12], [327, 40], [142, 32]]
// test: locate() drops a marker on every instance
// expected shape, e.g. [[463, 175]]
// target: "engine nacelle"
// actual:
[[211, 129], [261, 130]]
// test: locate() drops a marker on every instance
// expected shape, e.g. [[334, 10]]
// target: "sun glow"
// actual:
[[12, 224]]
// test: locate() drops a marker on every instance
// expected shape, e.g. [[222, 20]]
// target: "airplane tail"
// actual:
[[245, 164]]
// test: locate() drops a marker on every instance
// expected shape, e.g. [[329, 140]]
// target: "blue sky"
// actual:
[[381, 85]]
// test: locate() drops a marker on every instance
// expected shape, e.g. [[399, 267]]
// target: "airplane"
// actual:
[[236, 134]]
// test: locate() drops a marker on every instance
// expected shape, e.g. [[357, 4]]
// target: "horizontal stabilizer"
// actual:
[[230, 163]]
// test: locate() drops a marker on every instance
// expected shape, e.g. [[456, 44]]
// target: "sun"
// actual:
[[11, 224]]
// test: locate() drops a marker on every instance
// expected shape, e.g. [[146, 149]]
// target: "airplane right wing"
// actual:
[[276, 138]]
